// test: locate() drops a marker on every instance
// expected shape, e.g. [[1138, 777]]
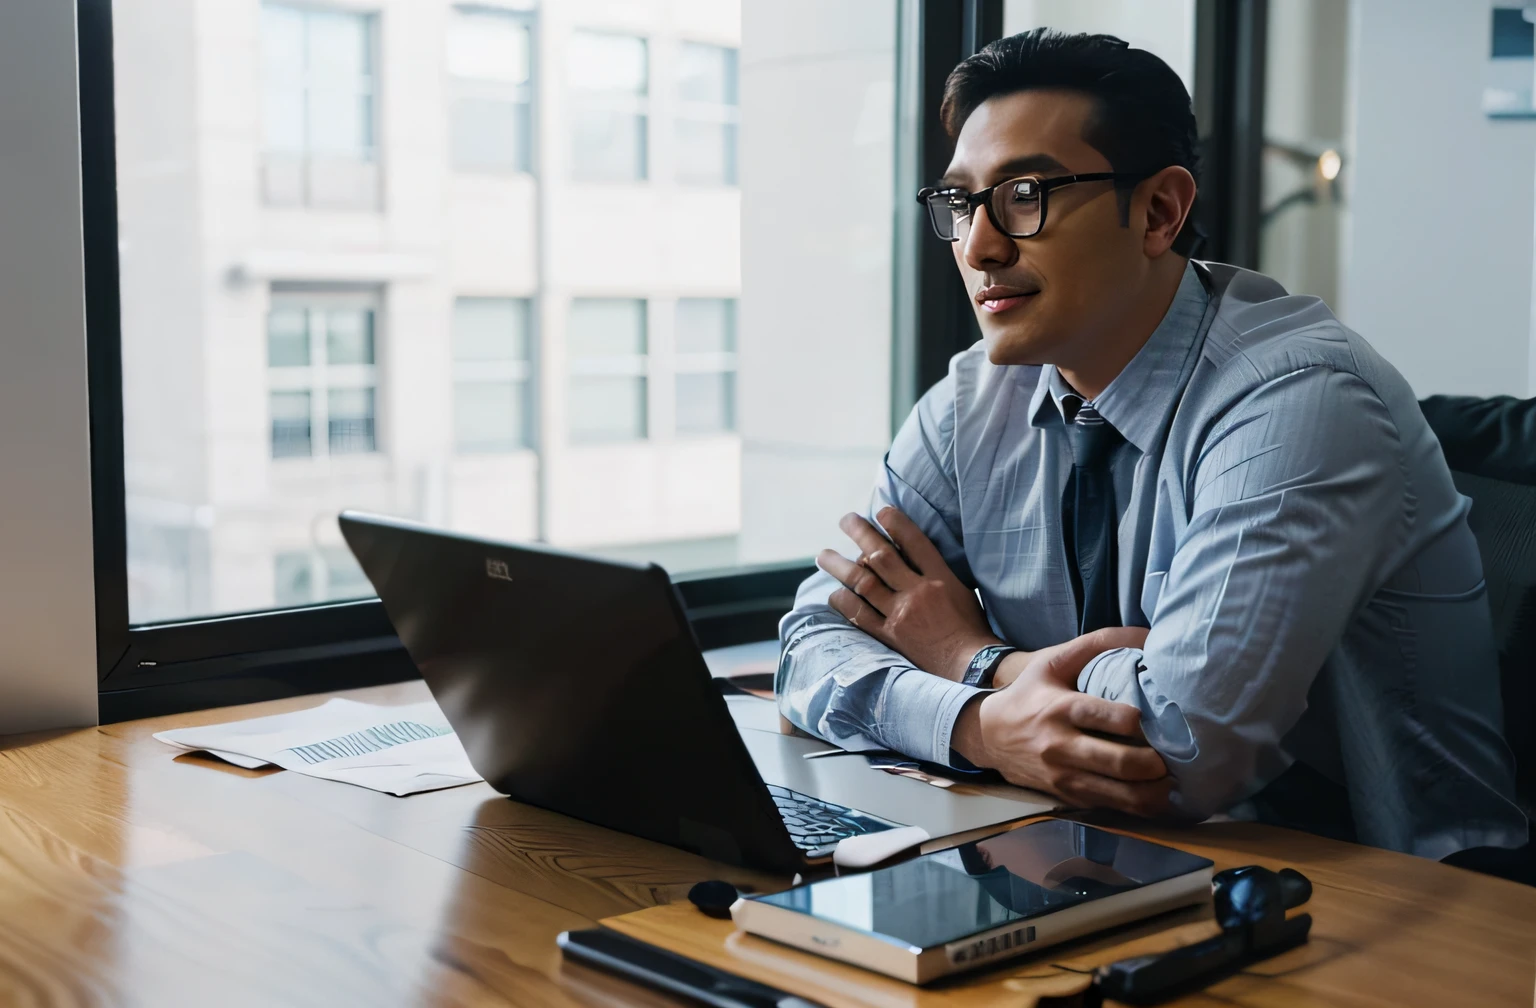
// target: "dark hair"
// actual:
[[1143, 122]]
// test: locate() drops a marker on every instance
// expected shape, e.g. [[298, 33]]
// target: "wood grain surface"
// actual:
[[130, 875], [1387, 930]]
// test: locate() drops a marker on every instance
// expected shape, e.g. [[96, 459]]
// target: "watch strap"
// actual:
[[984, 665]]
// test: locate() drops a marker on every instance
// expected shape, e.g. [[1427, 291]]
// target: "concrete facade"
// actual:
[[215, 519]]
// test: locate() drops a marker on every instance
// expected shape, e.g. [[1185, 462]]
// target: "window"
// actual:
[[482, 354], [491, 375], [678, 371], [319, 109], [609, 77], [307, 576], [490, 65], [320, 360], [606, 344], [708, 111], [681, 372], [704, 352]]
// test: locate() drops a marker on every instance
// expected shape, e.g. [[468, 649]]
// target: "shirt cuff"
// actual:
[[1112, 675], [1118, 675], [920, 714]]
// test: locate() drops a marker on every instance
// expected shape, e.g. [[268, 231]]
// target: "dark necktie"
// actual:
[[1088, 520]]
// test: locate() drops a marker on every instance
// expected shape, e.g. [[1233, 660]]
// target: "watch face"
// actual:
[[979, 665], [985, 663]]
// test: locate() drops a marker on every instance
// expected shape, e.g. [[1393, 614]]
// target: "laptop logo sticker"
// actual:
[[497, 569]]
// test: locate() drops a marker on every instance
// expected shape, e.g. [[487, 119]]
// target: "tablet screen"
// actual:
[[1027, 872]]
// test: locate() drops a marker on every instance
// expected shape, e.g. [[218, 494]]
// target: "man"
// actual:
[[1223, 564]]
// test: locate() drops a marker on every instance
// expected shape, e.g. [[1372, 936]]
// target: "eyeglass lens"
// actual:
[[1015, 207]]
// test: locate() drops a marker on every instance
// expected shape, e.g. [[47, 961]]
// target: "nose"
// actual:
[[984, 247]]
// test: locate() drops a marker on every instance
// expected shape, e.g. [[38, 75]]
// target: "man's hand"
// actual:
[[1060, 657], [903, 594], [1041, 733]]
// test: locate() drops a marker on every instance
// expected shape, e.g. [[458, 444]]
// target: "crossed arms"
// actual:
[[1288, 525]]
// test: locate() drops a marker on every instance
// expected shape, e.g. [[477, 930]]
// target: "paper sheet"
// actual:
[[397, 750]]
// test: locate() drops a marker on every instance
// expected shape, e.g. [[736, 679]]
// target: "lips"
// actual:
[[998, 298], [995, 305]]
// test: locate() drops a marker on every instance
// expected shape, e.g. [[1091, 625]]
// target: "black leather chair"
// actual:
[[1490, 445]]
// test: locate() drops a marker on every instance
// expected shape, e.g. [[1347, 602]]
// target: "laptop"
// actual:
[[576, 684]]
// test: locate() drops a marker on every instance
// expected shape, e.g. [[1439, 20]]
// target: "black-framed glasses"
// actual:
[[1017, 207]]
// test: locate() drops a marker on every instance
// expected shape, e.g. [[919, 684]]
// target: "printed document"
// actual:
[[397, 750]]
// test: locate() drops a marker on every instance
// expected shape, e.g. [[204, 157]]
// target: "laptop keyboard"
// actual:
[[816, 826]]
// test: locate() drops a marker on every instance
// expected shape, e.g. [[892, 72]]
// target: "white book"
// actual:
[[981, 902]]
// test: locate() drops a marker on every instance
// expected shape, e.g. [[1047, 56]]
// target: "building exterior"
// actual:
[[476, 265]]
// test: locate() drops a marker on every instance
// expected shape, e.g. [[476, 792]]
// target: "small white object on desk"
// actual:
[[866, 850], [397, 750]]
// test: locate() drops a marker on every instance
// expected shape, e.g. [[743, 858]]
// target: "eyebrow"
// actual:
[[1025, 165]]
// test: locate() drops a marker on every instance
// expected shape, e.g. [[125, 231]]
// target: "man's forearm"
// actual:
[[843, 686]]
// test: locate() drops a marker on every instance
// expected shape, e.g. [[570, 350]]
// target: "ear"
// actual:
[[1170, 194]]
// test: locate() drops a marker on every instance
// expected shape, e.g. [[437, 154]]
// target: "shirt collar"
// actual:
[[1138, 401]]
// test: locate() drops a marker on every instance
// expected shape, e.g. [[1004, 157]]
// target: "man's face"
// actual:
[[1053, 294]]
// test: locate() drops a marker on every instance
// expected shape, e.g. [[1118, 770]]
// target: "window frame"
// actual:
[[726, 115], [320, 377], [722, 363], [160, 668], [640, 367], [232, 658], [367, 159], [459, 88], [583, 100], [519, 372]]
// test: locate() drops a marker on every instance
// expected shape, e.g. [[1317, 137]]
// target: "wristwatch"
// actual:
[[982, 667]]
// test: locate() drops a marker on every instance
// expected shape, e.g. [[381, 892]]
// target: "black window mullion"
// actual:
[[931, 313], [1229, 109]]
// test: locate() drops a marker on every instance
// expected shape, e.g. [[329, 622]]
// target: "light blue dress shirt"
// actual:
[[1288, 530]]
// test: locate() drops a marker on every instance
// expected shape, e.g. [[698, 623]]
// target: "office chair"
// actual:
[[1490, 445]]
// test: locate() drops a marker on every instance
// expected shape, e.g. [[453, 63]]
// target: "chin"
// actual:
[[1014, 347]]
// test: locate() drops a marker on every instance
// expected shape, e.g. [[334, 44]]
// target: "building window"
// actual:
[[609, 81], [490, 118], [708, 114], [322, 375], [492, 375], [320, 109], [326, 574], [704, 341], [606, 345]]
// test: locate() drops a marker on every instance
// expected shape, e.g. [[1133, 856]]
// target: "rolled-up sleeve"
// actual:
[[841, 684], [1298, 497]]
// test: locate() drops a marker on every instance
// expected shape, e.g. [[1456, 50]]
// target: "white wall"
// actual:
[[47, 604], [1163, 27], [1437, 261]]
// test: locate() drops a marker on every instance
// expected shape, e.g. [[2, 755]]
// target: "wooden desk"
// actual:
[[130, 875]]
